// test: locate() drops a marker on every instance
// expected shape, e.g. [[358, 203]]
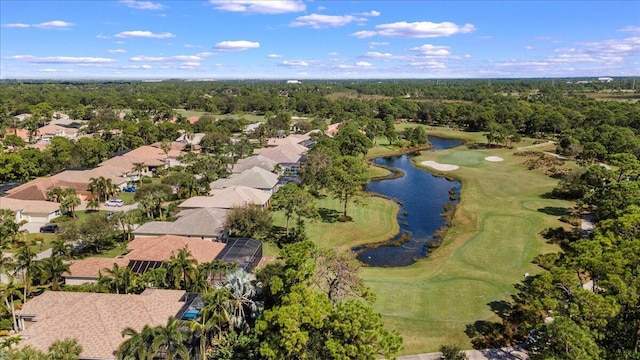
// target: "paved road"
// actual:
[[509, 353]]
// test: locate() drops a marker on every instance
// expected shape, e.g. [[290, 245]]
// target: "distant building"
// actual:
[[605, 79], [294, 82]]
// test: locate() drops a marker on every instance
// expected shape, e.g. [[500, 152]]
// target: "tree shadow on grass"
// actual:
[[329, 215], [555, 210], [501, 308]]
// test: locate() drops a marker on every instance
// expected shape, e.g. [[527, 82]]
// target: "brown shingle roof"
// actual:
[[227, 198], [256, 177], [95, 320], [29, 206], [37, 189]]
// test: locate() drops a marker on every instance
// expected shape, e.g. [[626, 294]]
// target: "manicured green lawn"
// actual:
[[374, 220], [116, 251], [378, 172], [494, 237]]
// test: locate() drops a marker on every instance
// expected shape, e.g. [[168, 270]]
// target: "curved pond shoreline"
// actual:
[[422, 197]]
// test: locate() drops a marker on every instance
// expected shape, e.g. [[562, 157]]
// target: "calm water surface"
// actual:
[[422, 197]]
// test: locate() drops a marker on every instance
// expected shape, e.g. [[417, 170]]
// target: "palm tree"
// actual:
[[93, 204], [183, 269], [214, 312], [54, 194], [9, 291], [117, 279], [138, 345], [169, 340], [96, 186], [60, 248], [70, 200], [11, 233], [67, 349], [165, 145], [28, 353], [139, 168], [26, 263], [243, 288], [54, 267], [126, 220]]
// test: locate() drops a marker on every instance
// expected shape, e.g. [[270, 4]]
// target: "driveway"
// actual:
[[32, 227], [508, 353], [83, 206]]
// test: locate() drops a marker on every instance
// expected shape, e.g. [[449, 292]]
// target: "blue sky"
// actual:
[[235, 39]]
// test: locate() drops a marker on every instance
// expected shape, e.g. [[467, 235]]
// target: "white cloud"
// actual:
[[192, 46], [16, 25], [333, 53], [364, 34], [528, 47], [100, 36], [320, 21], [60, 59], [144, 34], [144, 67], [55, 24], [428, 64], [142, 5], [259, 6], [359, 64], [635, 29], [432, 50], [378, 55], [374, 44], [204, 54], [189, 65], [416, 30], [363, 64], [47, 70], [116, 51], [176, 58], [371, 13], [300, 63], [238, 45], [273, 56]]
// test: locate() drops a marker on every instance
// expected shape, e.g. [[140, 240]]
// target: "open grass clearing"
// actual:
[[374, 220]]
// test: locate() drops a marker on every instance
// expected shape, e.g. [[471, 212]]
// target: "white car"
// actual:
[[114, 202]]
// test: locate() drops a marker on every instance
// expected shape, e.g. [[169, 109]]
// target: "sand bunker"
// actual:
[[440, 167], [494, 158]]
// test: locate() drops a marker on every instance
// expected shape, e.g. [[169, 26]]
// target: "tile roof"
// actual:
[[255, 177], [158, 248], [227, 198], [29, 206], [283, 154], [84, 176], [91, 266], [53, 129], [204, 222], [95, 320], [161, 248], [291, 139], [37, 189], [255, 160]]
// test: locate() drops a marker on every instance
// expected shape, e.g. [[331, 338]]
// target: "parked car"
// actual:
[[49, 228], [114, 202], [130, 188]]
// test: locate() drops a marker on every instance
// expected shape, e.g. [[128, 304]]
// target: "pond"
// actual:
[[422, 197]]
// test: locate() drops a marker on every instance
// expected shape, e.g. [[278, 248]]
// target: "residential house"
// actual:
[[333, 129], [31, 210], [255, 160], [205, 223], [95, 320], [144, 253], [37, 189], [51, 130], [228, 198], [255, 177], [288, 156], [291, 139]]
